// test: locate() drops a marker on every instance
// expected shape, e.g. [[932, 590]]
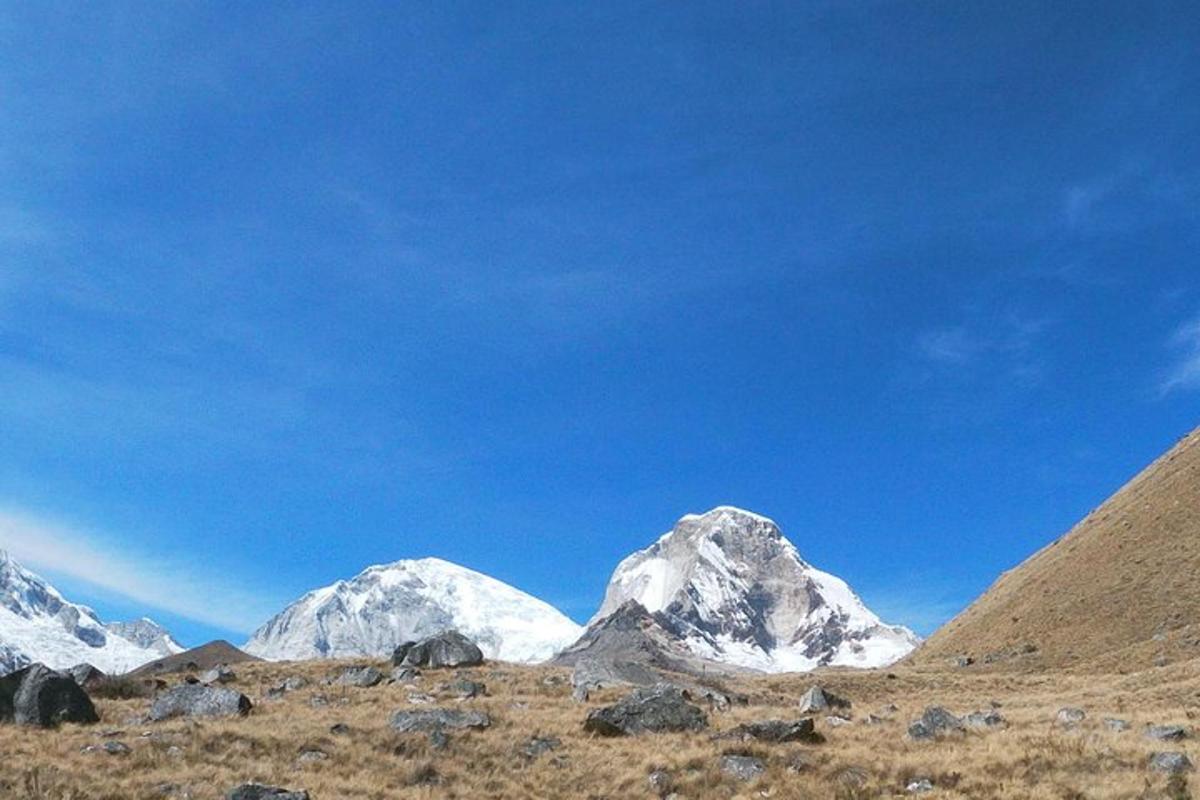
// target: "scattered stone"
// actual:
[[650, 709], [963, 661], [434, 719], [291, 684], [420, 698], [468, 690], [405, 674], [540, 745], [554, 680], [817, 700], [835, 721], [776, 731], [318, 701], [193, 700], [340, 729], [361, 677], [218, 674], [1166, 733], [935, 723], [111, 748], [984, 719], [1069, 717], [660, 782], [310, 755], [798, 763], [438, 740], [1116, 725], [174, 751], [448, 649], [853, 777], [580, 694], [256, 791], [875, 719], [742, 768], [919, 787], [37, 695], [1170, 763]]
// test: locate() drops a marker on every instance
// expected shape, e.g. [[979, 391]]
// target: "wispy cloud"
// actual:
[[1184, 374], [159, 583], [1012, 337], [949, 345]]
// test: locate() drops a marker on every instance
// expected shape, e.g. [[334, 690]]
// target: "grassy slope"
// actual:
[[1031, 759], [1119, 591]]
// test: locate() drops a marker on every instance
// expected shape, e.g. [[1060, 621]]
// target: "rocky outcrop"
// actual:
[[775, 731], [818, 701], [935, 723], [196, 700], [361, 677], [37, 695], [86, 675], [446, 649], [1170, 763], [438, 719], [655, 709], [742, 768]]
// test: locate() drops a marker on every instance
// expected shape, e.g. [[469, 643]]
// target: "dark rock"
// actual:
[[199, 701], [256, 791], [448, 649], [37, 695], [434, 719], [86, 675], [935, 723], [776, 731], [1166, 733], [1170, 763], [340, 729], [362, 677], [654, 709], [818, 700], [743, 768], [438, 740], [405, 674]]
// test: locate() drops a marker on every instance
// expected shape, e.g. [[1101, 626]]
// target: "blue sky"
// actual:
[[291, 289]]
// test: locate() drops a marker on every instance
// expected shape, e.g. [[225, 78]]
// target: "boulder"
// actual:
[[467, 690], [742, 768], [1166, 733], [86, 675], [653, 709], [405, 674], [817, 700], [919, 787], [935, 723], [984, 719], [362, 677], [776, 731], [1070, 717], [1116, 725], [1170, 763], [401, 652], [221, 673], [661, 782], [194, 700], [37, 695], [256, 791], [436, 719], [448, 649], [110, 748]]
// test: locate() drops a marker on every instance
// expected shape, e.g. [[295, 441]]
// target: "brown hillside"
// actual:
[[204, 657], [1120, 591]]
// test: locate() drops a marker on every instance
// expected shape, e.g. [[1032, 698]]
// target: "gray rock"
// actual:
[[194, 700], [361, 677], [405, 674], [742, 768], [309, 755], [835, 721], [420, 698], [467, 690], [1069, 717], [935, 722], [86, 675], [340, 729], [963, 661], [817, 700], [436, 719], [110, 748], [438, 740], [1166, 733], [776, 731], [1116, 725], [984, 719], [37, 695], [919, 787], [654, 709], [219, 674], [580, 694], [1170, 763], [540, 745], [660, 782], [256, 791], [447, 649]]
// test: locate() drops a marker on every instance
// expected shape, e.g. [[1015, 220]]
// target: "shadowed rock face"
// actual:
[[656, 709], [438, 719], [447, 649], [256, 791], [37, 695], [195, 700]]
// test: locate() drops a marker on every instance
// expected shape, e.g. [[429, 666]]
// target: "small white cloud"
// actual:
[[1185, 373], [173, 586], [949, 346]]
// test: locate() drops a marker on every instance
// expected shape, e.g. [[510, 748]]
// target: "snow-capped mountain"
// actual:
[[734, 590], [390, 604], [148, 635], [38, 624]]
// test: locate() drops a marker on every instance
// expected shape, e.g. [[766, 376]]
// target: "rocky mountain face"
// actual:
[[729, 587], [38, 625], [385, 606], [147, 634]]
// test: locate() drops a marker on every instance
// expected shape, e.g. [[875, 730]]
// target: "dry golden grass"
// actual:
[[1030, 759]]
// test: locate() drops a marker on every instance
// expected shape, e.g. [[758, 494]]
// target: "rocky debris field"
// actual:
[[347, 730]]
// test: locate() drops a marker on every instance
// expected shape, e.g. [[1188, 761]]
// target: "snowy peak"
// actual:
[[734, 589], [38, 624], [147, 634], [386, 605]]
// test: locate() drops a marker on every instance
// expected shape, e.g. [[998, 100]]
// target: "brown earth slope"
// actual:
[[204, 657], [1119, 592]]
